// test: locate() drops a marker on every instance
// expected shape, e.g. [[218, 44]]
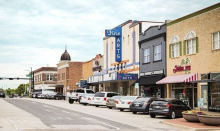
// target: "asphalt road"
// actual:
[[57, 117]]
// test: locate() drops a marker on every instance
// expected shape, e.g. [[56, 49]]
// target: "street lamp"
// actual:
[[6, 89]]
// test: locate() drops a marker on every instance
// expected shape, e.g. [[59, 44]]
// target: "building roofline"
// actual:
[[204, 10]]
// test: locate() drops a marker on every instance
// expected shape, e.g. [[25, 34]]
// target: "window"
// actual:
[[191, 46], [49, 77], [63, 76], [157, 53], [128, 39], [175, 50], [216, 41], [190, 43], [147, 55]]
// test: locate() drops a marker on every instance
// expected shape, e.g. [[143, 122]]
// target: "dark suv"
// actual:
[[2, 94], [168, 107]]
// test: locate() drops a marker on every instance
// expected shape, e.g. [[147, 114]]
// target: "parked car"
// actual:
[[111, 102], [59, 96], [141, 104], [86, 98], [101, 98], [44, 93], [50, 95], [2, 94], [74, 96], [168, 107], [35, 94], [125, 102]]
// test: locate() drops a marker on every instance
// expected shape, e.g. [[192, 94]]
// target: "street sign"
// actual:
[[83, 83], [28, 75]]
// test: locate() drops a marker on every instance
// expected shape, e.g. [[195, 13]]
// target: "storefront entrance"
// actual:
[[204, 96], [185, 92], [152, 91]]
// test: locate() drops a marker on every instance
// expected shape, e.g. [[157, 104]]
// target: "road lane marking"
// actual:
[[69, 118], [110, 126], [65, 111]]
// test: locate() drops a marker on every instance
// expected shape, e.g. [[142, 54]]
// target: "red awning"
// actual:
[[178, 79]]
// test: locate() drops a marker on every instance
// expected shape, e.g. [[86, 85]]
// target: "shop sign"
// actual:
[[121, 76], [184, 66], [152, 73], [98, 68], [136, 85], [83, 83], [200, 102], [117, 33]]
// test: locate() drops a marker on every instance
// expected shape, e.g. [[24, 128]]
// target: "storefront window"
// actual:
[[215, 96], [151, 91]]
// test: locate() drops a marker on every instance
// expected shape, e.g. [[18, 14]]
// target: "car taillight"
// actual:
[[80, 97], [76, 94], [116, 102], [129, 102], [168, 105], [105, 99], [89, 99]]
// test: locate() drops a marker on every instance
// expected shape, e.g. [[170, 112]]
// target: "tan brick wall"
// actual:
[[206, 60], [75, 74], [87, 70]]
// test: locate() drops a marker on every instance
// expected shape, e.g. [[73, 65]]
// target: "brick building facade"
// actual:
[[45, 78], [193, 52]]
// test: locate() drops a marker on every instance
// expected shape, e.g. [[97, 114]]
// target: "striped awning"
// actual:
[[179, 79]]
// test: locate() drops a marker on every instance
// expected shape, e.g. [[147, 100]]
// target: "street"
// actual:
[[44, 114]]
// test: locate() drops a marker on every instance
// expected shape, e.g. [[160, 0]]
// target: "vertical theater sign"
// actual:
[[117, 33]]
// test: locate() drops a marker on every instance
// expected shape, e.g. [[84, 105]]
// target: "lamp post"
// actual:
[[6, 90]]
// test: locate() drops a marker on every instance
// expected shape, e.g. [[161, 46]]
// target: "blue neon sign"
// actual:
[[117, 33]]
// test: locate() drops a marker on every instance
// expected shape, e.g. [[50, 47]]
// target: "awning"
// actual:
[[59, 85], [148, 80], [179, 79]]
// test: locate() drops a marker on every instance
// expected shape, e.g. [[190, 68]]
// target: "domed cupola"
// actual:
[[65, 56]]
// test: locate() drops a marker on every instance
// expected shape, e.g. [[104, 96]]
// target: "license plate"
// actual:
[[136, 104], [122, 102], [111, 101], [157, 106]]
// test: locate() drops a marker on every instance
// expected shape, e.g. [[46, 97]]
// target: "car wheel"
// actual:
[[121, 109], [97, 106], [173, 115], [85, 104], [110, 107], [134, 112], [152, 115]]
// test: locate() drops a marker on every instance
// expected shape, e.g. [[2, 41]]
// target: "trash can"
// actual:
[[71, 101]]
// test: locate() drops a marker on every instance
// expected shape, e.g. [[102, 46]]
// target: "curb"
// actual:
[[191, 128]]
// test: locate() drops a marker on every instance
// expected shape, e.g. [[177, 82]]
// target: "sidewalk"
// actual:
[[12, 117], [181, 122]]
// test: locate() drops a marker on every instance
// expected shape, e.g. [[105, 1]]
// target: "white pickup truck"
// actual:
[[76, 94]]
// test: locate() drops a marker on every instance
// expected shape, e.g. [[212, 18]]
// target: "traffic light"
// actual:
[[1, 78]]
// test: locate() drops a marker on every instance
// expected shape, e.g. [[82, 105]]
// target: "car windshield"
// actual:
[[1, 91], [80, 91], [128, 98], [143, 99], [116, 97], [160, 102], [99, 94], [89, 94], [89, 91]]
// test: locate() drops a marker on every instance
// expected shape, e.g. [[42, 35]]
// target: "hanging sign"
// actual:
[[117, 33]]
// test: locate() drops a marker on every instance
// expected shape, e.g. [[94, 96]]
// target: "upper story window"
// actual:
[[49, 77], [216, 41], [175, 47], [175, 50], [157, 52], [147, 55], [63, 76], [190, 43]]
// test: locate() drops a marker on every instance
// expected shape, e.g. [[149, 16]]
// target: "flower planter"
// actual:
[[209, 120], [190, 117]]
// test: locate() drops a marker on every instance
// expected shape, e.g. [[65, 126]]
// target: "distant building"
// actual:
[[45, 78]]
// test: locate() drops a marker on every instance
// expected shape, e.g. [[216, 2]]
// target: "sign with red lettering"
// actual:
[[184, 66]]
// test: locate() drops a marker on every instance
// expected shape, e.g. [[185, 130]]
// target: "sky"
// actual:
[[33, 33]]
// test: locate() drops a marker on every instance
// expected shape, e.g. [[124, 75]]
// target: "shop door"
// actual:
[[189, 96], [204, 95]]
